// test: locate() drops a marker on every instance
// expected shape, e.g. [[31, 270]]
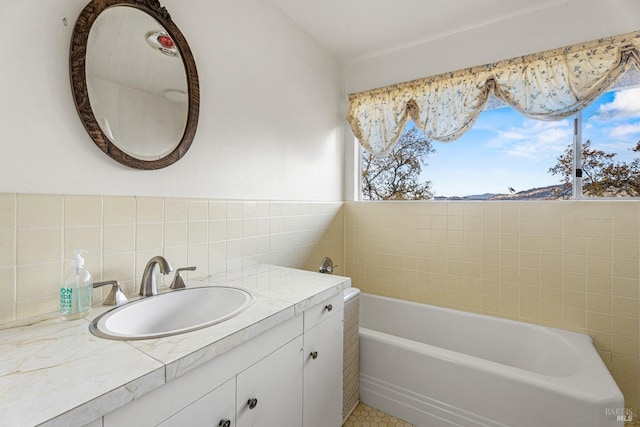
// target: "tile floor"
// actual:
[[366, 416]]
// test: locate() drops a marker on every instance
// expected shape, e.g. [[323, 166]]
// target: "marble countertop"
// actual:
[[56, 373]]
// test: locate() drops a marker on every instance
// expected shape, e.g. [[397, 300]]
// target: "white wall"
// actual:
[[270, 125], [556, 26]]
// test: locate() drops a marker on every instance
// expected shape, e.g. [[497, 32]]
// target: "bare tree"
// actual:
[[601, 174], [395, 176]]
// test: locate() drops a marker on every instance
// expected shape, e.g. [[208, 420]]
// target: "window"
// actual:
[[506, 155]]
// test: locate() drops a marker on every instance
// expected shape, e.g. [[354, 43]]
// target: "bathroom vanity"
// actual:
[[278, 363]]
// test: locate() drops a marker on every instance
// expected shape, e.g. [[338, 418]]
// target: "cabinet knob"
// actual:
[[328, 307], [253, 402], [314, 355], [225, 423]]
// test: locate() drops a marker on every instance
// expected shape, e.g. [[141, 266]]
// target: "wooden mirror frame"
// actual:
[[77, 63]]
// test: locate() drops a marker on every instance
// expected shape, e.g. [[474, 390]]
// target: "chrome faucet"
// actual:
[[149, 287]]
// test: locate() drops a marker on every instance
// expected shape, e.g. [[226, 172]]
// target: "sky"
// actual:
[[505, 149]]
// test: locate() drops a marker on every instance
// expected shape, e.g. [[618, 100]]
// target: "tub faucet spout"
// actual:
[[149, 287]]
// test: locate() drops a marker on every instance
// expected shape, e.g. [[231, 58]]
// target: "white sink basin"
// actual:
[[171, 313]]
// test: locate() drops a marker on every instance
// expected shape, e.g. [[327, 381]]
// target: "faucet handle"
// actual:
[[327, 266], [178, 280], [116, 296]]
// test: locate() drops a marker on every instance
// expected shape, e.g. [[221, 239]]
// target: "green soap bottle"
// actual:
[[76, 290]]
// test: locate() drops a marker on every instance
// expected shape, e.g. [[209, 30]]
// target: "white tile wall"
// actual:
[[38, 234]]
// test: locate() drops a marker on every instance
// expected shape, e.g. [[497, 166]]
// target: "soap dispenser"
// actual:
[[77, 290]]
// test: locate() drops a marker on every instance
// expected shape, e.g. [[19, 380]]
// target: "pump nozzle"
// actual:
[[78, 259]]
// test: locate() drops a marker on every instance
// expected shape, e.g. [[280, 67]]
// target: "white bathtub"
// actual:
[[433, 367]]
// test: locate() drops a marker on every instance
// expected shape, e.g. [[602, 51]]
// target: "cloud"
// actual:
[[625, 104], [626, 129], [534, 139]]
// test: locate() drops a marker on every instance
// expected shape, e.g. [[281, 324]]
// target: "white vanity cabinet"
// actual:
[[216, 408], [272, 380], [199, 391], [323, 343], [269, 393]]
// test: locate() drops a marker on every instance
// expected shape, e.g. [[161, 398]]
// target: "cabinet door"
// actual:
[[322, 398], [274, 388], [216, 408]]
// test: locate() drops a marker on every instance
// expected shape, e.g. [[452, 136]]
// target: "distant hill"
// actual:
[[485, 196], [551, 192]]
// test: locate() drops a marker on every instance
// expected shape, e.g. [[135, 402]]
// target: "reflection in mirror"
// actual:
[[136, 82]]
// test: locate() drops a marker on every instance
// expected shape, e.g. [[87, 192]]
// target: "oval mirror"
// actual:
[[134, 82]]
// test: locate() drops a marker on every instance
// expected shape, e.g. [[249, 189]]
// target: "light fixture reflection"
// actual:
[[162, 42]]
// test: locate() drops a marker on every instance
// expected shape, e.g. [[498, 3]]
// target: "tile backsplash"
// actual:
[[38, 234], [565, 264]]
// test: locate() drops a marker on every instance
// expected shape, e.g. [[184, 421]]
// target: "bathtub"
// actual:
[[433, 367]]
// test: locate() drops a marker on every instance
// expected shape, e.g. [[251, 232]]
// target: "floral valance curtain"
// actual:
[[549, 86]]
